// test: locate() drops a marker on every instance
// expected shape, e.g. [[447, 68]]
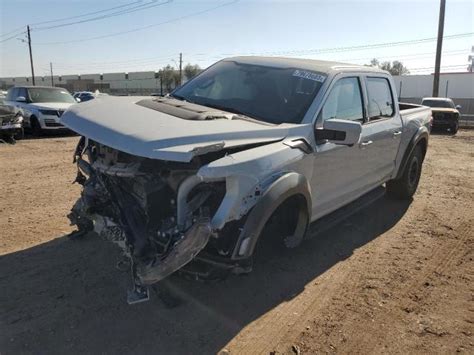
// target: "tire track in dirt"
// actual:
[[272, 331], [444, 260]]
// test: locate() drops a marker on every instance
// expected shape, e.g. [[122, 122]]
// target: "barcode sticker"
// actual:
[[309, 75]]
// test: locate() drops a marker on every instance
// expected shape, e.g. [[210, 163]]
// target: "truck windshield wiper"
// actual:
[[178, 97], [229, 109]]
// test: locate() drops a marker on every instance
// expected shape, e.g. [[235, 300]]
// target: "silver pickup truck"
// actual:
[[190, 181]]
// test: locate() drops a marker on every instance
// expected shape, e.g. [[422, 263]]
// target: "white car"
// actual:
[[42, 106]]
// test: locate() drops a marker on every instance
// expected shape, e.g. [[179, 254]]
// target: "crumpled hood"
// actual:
[[8, 111], [120, 123]]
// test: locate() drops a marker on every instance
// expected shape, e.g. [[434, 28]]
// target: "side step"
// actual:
[[336, 217]]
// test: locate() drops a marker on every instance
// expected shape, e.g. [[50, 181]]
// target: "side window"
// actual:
[[11, 94], [23, 92], [380, 98], [344, 101]]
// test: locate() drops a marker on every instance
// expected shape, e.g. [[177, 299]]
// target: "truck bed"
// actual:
[[407, 109]]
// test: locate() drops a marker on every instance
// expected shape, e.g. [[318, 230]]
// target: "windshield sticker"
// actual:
[[309, 75]]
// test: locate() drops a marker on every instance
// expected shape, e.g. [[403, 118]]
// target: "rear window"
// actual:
[[380, 98]]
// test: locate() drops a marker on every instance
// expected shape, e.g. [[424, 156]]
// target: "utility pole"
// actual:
[[51, 70], [180, 68], [439, 47], [31, 55]]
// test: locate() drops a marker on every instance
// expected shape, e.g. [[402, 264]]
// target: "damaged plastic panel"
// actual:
[[158, 212]]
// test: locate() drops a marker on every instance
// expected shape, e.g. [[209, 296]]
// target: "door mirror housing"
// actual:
[[341, 132], [458, 107], [20, 99], [78, 99]]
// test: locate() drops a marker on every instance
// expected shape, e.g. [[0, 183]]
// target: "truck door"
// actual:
[[340, 172], [383, 128]]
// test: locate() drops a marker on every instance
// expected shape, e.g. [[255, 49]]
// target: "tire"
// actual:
[[35, 127], [405, 187], [20, 134], [454, 128]]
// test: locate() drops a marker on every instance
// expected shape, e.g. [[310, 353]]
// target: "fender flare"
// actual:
[[421, 134], [284, 187]]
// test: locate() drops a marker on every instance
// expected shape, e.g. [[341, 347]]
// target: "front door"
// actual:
[[339, 171]]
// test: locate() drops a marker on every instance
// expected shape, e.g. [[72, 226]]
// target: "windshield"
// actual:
[[269, 94], [50, 95], [438, 103]]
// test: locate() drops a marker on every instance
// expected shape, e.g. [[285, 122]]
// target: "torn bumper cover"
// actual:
[[184, 250], [158, 212]]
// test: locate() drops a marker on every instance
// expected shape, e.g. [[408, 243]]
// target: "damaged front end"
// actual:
[[158, 212]]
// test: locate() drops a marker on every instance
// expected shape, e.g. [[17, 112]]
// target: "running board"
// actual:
[[331, 220]]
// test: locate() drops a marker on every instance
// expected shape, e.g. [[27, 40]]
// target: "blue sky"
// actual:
[[206, 31]]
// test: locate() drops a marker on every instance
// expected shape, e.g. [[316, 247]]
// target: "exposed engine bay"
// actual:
[[158, 212]]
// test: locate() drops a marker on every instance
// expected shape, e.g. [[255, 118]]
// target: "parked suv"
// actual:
[[42, 106]]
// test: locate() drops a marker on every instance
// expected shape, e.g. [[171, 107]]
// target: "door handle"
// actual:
[[365, 144], [397, 133]]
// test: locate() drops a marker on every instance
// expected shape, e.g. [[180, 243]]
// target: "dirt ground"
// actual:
[[396, 277]]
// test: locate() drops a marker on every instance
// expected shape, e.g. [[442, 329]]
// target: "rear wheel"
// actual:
[[404, 187]]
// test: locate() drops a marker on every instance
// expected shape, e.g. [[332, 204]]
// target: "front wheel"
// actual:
[[405, 187], [36, 127], [20, 134], [454, 128]]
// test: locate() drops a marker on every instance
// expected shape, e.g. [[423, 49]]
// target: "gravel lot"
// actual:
[[395, 277]]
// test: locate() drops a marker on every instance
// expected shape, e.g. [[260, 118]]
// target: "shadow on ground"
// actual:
[[66, 296], [51, 134]]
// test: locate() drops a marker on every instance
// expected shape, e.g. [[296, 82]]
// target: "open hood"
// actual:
[[120, 123]]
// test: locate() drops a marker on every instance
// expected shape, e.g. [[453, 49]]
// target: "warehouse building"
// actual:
[[410, 88]]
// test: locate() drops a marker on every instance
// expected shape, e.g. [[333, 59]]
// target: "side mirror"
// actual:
[[458, 107], [339, 132], [78, 99], [20, 99]]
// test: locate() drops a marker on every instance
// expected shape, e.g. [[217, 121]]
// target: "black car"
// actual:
[[84, 96]]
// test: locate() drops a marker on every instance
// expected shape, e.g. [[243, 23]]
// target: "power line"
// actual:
[[444, 67], [71, 17], [12, 37], [86, 14], [165, 60], [369, 46], [15, 30], [145, 27], [113, 14]]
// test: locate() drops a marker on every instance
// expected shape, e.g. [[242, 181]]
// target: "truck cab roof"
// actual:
[[321, 66]]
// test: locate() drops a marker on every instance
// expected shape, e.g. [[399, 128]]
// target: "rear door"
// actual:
[[383, 128]]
